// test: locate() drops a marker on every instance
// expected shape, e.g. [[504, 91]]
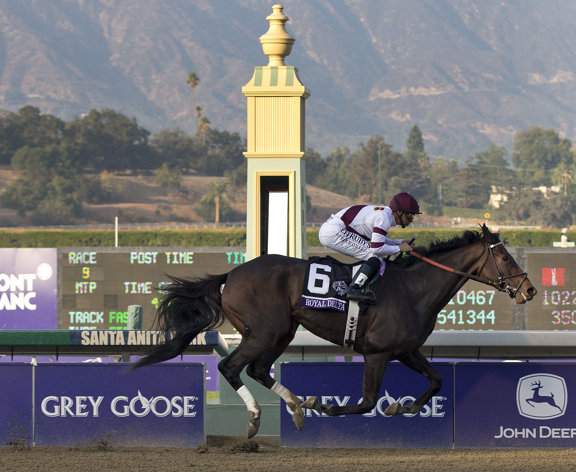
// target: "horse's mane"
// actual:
[[468, 237]]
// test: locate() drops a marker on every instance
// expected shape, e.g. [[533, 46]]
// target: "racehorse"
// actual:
[[262, 300]]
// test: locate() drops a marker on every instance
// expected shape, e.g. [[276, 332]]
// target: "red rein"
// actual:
[[434, 263]]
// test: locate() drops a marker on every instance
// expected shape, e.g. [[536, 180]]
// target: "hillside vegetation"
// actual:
[[468, 72], [139, 200]]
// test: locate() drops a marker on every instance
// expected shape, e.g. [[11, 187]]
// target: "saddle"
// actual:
[[326, 284]]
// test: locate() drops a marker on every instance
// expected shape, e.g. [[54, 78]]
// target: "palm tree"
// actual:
[[203, 127], [193, 80], [218, 194], [198, 116]]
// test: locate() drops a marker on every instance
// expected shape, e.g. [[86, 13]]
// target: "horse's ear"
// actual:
[[486, 232]]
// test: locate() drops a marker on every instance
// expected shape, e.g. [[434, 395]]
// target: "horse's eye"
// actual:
[[505, 257]]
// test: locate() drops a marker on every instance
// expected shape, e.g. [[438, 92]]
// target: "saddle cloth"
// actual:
[[326, 284]]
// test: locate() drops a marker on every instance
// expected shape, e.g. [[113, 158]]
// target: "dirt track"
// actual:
[[255, 456]]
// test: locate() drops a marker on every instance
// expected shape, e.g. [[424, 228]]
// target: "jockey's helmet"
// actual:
[[404, 202]]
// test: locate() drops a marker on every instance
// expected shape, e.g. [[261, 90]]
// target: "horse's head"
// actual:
[[500, 266]]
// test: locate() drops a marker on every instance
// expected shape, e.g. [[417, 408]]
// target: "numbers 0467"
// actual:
[[481, 315]]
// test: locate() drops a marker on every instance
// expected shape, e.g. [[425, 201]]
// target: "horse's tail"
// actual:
[[187, 308]]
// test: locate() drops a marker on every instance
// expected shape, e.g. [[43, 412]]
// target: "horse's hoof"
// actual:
[[394, 409], [310, 403], [253, 427], [298, 419]]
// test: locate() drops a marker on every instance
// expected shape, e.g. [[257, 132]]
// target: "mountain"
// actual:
[[467, 72]]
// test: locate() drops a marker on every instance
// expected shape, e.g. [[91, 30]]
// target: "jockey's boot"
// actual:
[[359, 288]]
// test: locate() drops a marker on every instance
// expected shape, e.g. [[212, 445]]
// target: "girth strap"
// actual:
[[351, 324]]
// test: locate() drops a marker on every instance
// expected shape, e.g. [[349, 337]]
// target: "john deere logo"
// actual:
[[541, 396]]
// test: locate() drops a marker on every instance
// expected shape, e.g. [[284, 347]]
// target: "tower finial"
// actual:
[[277, 43]]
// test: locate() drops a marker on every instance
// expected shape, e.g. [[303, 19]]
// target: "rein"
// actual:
[[501, 284]]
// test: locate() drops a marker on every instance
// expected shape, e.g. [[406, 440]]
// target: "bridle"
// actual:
[[501, 284]]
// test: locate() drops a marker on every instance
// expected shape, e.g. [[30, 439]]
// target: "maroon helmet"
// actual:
[[404, 202]]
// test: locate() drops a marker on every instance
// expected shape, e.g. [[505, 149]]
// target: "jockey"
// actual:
[[360, 231]]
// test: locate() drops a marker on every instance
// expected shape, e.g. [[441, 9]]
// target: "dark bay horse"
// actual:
[[262, 300]]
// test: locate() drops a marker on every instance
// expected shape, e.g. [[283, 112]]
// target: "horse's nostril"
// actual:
[[532, 291]]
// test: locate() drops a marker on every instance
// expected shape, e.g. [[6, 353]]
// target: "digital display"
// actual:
[[554, 276], [96, 287], [476, 307]]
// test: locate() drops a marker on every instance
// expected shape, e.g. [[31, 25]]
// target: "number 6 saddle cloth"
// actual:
[[326, 284]]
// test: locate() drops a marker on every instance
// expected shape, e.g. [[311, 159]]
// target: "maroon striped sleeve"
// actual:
[[379, 230]]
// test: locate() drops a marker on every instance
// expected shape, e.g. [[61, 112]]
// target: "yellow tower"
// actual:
[[276, 187]]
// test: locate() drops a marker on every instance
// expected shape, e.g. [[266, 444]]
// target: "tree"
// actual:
[[61, 203], [415, 146], [416, 174], [203, 128], [537, 152], [558, 212], [238, 176], [493, 168], [442, 173], [219, 152], [49, 184], [334, 176], [415, 171], [175, 148], [315, 165], [485, 172], [362, 170], [469, 189], [215, 201], [169, 178], [198, 115], [193, 80], [109, 140], [222, 151], [39, 164], [29, 127], [533, 207]]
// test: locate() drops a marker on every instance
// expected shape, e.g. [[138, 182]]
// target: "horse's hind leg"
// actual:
[[259, 370], [231, 367], [417, 362], [374, 369]]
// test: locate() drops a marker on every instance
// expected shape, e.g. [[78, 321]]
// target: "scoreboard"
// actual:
[[97, 286], [554, 276], [476, 307]]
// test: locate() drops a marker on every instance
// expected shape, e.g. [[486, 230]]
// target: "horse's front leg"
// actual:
[[417, 362], [374, 368]]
